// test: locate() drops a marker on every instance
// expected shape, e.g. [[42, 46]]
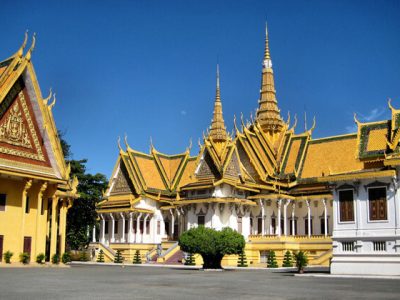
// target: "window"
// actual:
[[348, 246], [201, 220], [105, 227], [148, 226], [259, 226], [27, 205], [273, 225], [323, 225], [126, 226], [263, 257], [115, 227], [346, 206], [377, 204], [379, 246], [3, 202]]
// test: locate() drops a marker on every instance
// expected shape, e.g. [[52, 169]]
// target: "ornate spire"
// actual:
[[268, 114], [217, 128]]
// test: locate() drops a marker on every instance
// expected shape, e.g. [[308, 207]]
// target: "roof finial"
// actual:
[[21, 49], [29, 54], [267, 55], [217, 128], [126, 141]]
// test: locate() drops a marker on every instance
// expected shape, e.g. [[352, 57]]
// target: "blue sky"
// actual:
[[147, 68]]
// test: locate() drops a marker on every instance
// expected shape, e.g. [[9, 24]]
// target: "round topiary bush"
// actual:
[[212, 244]]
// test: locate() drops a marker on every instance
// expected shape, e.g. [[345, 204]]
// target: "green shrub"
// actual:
[[211, 244], [7, 257], [287, 260], [118, 257], [271, 261], [242, 260], [24, 258], [100, 257], [301, 260], [55, 259], [190, 261], [137, 259], [66, 258], [40, 258], [83, 256]]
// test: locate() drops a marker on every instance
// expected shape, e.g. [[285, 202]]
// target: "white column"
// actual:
[[309, 217], [262, 204], [112, 239], [137, 237], [325, 218], [102, 229], [123, 227], [144, 227], [172, 223], [285, 217], [130, 230], [279, 217], [293, 227], [94, 234]]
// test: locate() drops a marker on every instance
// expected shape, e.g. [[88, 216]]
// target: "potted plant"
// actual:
[[40, 258], [7, 257], [301, 261], [24, 258]]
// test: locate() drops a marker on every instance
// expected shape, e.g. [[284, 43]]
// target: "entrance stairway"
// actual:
[[173, 254], [109, 254]]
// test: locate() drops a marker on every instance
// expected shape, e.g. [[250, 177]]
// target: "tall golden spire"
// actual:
[[217, 128], [268, 113]]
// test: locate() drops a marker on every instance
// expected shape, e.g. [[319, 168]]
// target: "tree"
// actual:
[[301, 260], [118, 259], [211, 244], [137, 259], [100, 257], [271, 260], [287, 260], [242, 260], [82, 215]]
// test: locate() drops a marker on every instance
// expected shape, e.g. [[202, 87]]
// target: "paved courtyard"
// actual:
[[116, 282]]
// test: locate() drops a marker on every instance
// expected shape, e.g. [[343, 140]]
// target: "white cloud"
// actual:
[[183, 112]]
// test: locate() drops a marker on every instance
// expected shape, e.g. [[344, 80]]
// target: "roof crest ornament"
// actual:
[[294, 124], [356, 120], [45, 100], [119, 144], [29, 53], [126, 141], [51, 105], [21, 49]]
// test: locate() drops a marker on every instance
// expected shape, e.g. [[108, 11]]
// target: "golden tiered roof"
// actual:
[[266, 158]]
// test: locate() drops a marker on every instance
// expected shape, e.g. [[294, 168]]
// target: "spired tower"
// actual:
[[217, 128], [268, 113]]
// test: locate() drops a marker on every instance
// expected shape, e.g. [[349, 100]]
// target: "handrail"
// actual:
[[169, 250]]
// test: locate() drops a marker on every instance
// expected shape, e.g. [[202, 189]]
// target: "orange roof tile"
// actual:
[[150, 172], [377, 139], [292, 156], [331, 156]]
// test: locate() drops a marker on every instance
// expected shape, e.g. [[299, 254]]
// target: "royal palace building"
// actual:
[[334, 197], [35, 187]]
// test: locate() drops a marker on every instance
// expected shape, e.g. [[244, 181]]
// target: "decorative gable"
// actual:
[[20, 138], [121, 182]]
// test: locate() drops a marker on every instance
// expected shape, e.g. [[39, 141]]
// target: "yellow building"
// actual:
[[35, 187], [277, 187]]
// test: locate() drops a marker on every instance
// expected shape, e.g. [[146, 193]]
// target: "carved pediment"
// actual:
[[19, 135], [121, 182]]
